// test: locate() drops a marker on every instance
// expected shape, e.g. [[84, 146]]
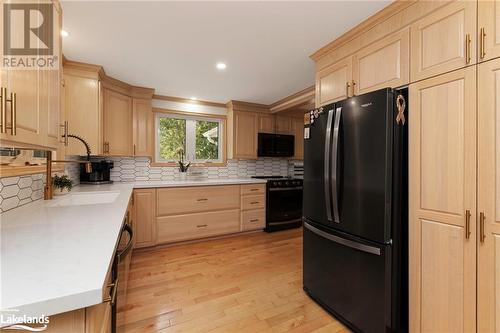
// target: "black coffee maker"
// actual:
[[100, 173]]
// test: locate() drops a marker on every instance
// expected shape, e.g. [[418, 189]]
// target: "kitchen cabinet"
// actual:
[[442, 203], [144, 217], [267, 123], [444, 40], [385, 63], [143, 129], [283, 125], [33, 119], [298, 132], [242, 135], [118, 117], [333, 82], [83, 108], [488, 287], [253, 207], [489, 29]]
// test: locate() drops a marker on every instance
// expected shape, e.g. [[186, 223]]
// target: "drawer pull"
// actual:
[[254, 220], [201, 226], [254, 189], [202, 199], [254, 202], [113, 291]]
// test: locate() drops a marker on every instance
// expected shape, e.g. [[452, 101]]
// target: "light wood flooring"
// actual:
[[247, 283]]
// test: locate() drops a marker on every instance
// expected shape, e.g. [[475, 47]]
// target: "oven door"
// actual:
[[122, 263], [284, 207]]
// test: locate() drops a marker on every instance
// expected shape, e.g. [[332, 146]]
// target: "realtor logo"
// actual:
[[28, 36]]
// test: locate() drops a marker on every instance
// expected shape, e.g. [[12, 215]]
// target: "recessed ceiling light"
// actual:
[[193, 98], [220, 65], [64, 33]]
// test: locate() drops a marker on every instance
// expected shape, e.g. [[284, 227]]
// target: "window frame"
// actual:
[[191, 119]]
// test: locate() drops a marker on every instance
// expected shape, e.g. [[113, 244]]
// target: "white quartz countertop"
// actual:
[[55, 259], [199, 182]]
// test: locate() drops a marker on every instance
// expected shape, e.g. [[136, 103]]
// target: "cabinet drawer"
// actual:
[[253, 189], [253, 202], [197, 199], [198, 225], [253, 219]]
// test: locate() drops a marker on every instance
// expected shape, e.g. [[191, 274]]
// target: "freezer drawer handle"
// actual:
[[342, 241]]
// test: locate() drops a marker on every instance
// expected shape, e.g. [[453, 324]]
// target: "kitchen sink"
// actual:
[[90, 198]]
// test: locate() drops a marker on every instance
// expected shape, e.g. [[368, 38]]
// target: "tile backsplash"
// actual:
[[18, 191]]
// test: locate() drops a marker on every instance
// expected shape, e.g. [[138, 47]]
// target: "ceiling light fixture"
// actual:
[[221, 65], [64, 33]]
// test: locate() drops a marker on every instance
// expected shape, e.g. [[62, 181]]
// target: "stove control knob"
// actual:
[[280, 183], [287, 183], [275, 183]]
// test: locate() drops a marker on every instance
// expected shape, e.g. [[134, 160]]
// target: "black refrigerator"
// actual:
[[355, 210]]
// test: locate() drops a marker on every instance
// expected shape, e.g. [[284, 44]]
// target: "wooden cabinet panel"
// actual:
[[385, 63], [253, 202], [298, 132], [253, 219], [489, 21], [489, 196], [144, 217], [197, 199], [332, 82], [283, 125], [253, 189], [442, 173], [244, 135], [117, 124], [267, 123], [438, 41], [142, 127], [197, 225], [83, 113]]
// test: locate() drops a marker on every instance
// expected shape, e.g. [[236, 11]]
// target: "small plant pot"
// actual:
[[58, 191]]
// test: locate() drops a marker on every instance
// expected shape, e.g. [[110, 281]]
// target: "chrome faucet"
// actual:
[[48, 192]]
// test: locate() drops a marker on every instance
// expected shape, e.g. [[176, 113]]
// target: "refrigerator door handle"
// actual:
[[335, 149], [343, 241], [326, 177]]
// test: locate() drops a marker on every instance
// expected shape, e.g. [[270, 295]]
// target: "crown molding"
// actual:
[[289, 102], [186, 100]]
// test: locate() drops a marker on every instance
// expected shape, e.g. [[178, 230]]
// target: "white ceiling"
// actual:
[[174, 46]]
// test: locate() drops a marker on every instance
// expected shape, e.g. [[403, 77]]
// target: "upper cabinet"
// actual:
[[489, 29], [242, 135], [283, 125], [30, 104], [444, 40], [333, 82], [117, 124], [385, 63], [267, 123], [142, 127]]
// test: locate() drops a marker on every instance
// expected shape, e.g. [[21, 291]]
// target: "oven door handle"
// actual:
[[126, 228], [297, 188]]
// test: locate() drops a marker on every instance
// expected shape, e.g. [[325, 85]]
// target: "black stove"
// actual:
[[284, 202]]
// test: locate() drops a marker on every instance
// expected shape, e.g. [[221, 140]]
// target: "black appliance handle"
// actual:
[[126, 228], [326, 177], [343, 241], [295, 188], [335, 150]]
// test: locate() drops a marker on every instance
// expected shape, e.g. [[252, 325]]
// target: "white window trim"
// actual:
[[190, 139]]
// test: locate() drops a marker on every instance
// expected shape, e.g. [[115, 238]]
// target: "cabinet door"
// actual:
[[442, 167], [283, 125], [83, 113], [117, 124], [144, 217], [332, 82], [489, 196], [489, 21], [245, 135], [438, 41], [266, 123], [298, 132], [385, 63], [142, 127]]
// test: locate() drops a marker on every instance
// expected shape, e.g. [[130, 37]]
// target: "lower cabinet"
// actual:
[[144, 217], [253, 207], [93, 319]]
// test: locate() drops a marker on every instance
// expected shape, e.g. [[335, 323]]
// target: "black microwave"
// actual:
[[275, 145]]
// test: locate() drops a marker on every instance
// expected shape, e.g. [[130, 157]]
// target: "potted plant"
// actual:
[[183, 165], [62, 184]]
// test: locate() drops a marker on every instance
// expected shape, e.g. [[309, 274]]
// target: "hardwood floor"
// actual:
[[247, 283]]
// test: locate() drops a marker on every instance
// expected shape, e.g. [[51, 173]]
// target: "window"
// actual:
[[199, 137]]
